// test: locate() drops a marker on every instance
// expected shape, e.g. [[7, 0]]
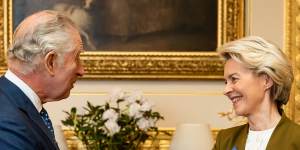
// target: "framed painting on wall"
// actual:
[[292, 49], [170, 39]]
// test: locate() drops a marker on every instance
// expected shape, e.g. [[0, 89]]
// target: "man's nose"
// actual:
[[80, 71]]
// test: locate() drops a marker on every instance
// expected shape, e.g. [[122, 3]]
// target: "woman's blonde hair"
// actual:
[[263, 57]]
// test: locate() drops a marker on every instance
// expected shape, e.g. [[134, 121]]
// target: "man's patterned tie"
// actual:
[[47, 121]]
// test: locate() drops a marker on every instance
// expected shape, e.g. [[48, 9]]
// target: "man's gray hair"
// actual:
[[50, 31]]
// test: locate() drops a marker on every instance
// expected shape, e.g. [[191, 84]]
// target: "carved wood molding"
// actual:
[[162, 142], [292, 49]]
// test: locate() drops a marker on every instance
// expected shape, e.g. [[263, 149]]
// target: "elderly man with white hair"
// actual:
[[43, 64]]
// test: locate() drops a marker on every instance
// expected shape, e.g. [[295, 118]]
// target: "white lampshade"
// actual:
[[192, 137]]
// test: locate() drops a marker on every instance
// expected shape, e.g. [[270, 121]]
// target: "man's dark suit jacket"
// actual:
[[21, 126], [286, 136]]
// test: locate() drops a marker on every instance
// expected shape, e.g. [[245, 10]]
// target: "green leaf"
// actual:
[[73, 110]]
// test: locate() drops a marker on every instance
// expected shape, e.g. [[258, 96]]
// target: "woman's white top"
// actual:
[[258, 140]]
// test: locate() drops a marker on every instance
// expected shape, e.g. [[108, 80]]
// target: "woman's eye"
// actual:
[[234, 79], [225, 81]]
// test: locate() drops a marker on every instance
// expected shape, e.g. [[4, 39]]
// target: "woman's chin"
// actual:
[[240, 112]]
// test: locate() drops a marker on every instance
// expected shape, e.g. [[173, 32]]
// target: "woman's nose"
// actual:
[[227, 89]]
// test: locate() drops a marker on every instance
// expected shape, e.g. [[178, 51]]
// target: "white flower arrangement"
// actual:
[[123, 126]]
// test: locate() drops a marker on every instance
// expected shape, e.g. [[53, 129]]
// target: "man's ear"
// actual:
[[49, 62]]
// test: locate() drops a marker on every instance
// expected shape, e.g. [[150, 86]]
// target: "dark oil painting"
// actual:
[[136, 25]]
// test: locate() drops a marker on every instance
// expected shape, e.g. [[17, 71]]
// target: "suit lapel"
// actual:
[[240, 141], [18, 98], [278, 132]]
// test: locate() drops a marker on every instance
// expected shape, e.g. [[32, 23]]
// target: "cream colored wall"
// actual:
[[267, 19], [181, 101], [178, 101]]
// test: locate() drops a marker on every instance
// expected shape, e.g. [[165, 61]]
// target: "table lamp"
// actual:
[[192, 137]]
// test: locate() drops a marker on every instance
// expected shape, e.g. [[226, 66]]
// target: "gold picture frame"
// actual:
[[292, 49], [148, 65]]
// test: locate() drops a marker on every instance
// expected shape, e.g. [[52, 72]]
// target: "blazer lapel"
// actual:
[[240, 141], [24, 104], [279, 130]]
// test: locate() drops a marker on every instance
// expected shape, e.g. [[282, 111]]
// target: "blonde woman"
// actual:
[[258, 78]]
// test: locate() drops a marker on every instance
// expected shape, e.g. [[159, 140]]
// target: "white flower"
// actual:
[[116, 94], [135, 110], [111, 127], [146, 106], [110, 114], [130, 99], [135, 96], [144, 123], [143, 99], [151, 122]]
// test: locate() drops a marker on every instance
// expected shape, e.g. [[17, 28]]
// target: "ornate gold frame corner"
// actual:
[[4, 33], [292, 49], [148, 65]]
